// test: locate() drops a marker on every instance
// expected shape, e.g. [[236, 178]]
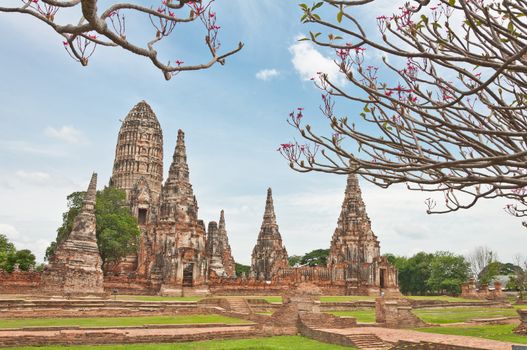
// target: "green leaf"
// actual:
[[303, 39], [339, 16], [304, 6], [366, 109], [452, 2], [424, 19], [317, 5]]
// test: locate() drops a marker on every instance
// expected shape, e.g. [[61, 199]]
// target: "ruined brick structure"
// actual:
[[355, 248], [176, 255], [221, 263], [75, 268], [469, 290], [269, 255], [172, 251]]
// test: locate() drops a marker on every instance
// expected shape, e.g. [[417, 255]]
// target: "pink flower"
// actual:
[[65, 43], [179, 63]]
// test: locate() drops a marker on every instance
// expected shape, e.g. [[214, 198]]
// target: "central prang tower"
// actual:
[[138, 165]]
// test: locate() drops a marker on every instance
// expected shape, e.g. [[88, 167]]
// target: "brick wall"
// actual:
[[19, 282]]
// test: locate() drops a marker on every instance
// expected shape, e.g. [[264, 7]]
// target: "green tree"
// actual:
[[317, 257], [25, 259], [240, 269], [7, 249], [9, 256], [489, 272], [447, 272], [294, 260], [414, 273], [117, 230]]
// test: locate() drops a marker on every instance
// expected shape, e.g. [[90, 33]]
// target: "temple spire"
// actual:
[[179, 168], [353, 211], [269, 254], [269, 217], [221, 224], [88, 203]]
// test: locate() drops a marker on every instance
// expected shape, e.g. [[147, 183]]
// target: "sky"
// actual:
[[59, 123]]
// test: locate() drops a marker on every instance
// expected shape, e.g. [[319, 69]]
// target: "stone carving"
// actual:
[[221, 262], [269, 255], [356, 250], [76, 266]]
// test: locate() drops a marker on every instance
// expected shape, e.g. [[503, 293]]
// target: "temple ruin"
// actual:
[[75, 268], [172, 252], [269, 255], [355, 249], [221, 263], [177, 255]]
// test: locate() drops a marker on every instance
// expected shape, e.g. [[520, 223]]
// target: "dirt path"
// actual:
[[394, 335]]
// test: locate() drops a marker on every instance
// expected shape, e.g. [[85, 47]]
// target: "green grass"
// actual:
[[443, 298], [344, 298], [271, 343], [436, 315], [495, 332], [156, 298], [461, 314], [117, 321], [362, 315]]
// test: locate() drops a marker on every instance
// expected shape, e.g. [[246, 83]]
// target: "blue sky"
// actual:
[[59, 122]]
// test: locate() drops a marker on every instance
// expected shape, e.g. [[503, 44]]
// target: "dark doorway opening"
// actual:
[[141, 217], [188, 274], [382, 273]]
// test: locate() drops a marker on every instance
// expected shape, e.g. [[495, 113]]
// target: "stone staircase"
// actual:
[[368, 342], [239, 305]]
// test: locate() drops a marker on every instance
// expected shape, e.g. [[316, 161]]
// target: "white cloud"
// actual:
[[65, 133], [36, 177], [308, 61], [10, 231], [36, 246], [267, 74], [29, 148]]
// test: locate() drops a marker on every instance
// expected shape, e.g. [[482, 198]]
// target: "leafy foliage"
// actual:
[[294, 260], [426, 273], [317, 257], [9, 256], [117, 230], [447, 273], [242, 269]]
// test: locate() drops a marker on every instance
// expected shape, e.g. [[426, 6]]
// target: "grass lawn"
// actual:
[[156, 298], [436, 315], [344, 298], [117, 321], [496, 332], [461, 314], [362, 315], [443, 298], [272, 343]]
